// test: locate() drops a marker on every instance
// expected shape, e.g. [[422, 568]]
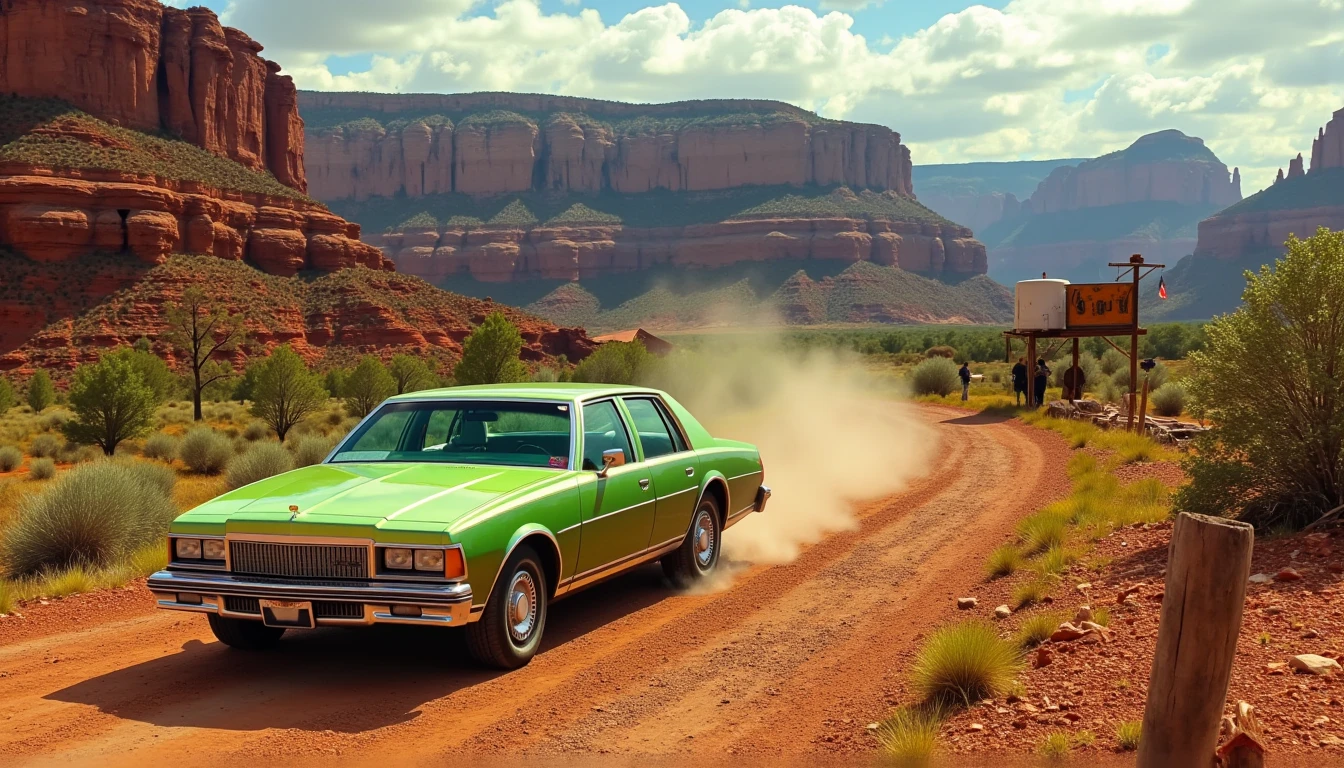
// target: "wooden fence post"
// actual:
[[1208, 565]]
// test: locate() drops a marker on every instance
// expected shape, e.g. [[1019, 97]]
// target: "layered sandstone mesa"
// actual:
[[404, 144], [1327, 149], [144, 66]]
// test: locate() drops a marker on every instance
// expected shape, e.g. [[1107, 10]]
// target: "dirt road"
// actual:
[[789, 660]]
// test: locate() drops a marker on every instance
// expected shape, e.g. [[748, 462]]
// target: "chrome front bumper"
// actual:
[[440, 604]]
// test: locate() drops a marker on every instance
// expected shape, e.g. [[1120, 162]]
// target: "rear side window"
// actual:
[[603, 430], [656, 433]]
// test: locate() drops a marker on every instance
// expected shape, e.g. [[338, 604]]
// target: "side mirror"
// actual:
[[612, 458]]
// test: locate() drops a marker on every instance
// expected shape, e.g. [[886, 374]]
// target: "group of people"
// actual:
[[1073, 381]]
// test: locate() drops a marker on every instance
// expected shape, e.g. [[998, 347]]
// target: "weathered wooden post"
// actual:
[[1143, 406], [1208, 565]]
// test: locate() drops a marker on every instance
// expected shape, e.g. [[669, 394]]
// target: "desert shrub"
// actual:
[[54, 421], [7, 398], [1055, 746], [110, 403], [1003, 561], [616, 362], [490, 353], [367, 386], [10, 458], [1112, 361], [153, 372], [963, 663], [41, 469], [935, 376], [205, 451], [1054, 560], [310, 449], [262, 460], [44, 446], [911, 733], [91, 516], [1157, 378], [160, 446], [334, 382], [1037, 628], [410, 374], [1043, 530], [942, 350], [1128, 734], [256, 430], [1101, 616], [41, 392], [545, 374], [1030, 593], [1168, 400], [79, 454]]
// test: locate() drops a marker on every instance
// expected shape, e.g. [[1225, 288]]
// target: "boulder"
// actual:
[[151, 235], [1311, 664], [277, 251], [966, 603], [1003, 612], [48, 233]]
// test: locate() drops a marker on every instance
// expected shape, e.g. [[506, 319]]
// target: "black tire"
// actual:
[[493, 639], [688, 564], [244, 634]]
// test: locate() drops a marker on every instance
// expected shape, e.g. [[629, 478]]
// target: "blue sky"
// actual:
[[962, 82]]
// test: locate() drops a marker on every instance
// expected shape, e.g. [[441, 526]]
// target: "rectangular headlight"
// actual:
[[429, 559], [398, 559], [187, 549], [212, 549]]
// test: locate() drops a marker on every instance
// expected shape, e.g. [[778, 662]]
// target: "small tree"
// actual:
[[335, 381], [111, 403], [616, 362], [369, 384], [41, 393], [411, 374], [490, 353], [153, 372], [285, 391], [1271, 377], [6, 395], [202, 332]]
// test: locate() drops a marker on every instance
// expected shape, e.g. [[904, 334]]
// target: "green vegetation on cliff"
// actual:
[[1316, 189], [53, 134]]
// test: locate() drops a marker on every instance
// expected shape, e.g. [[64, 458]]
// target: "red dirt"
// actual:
[[789, 663]]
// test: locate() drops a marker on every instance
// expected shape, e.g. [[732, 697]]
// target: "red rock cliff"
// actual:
[[144, 66], [585, 145]]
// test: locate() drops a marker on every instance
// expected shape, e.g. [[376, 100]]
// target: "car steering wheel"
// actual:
[[534, 449]]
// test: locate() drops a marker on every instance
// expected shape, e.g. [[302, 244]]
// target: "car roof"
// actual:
[[549, 390]]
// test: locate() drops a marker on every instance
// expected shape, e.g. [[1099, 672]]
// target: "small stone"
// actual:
[[1331, 741], [1003, 711], [1065, 633], [1084, 614], [1003, 612], [1043, 658], [1322, 720], [1127, 593], [975, 727], [1276, 668], [966, 603], [1052, 708], [1261, 578], [1091, 626], [1028, 707], [1311, 664], [1287, 574], [1072, 717], [1020, 724], [1271, 610], [873, 726], [1310, 634], [43, 602]]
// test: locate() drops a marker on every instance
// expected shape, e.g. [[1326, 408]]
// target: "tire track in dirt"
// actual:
[[805, 654]]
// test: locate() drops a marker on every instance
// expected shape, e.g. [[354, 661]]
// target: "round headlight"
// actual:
[[429, 560], [188, 549], [399, 559], [212, 549]]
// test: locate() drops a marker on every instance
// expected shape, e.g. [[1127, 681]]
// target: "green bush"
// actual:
[[964, 663], [490, 354], [1038, 627], [256, 430], [259, 462], [1168, 400], [941, 351], [935, 376], [285, 391], [6, 395], [153, 372], [1055, 746], [111, 403], [1030, 593], [41, 392], [10, 458], [310, 449], [1003, 561], [411, 374], [910, 734], [41, 469], [205, 451], [367, 386], [1043, 530], [1128, 735], [92, 516], [44, 446], [160, 446], [1112, 361], [616, 362]]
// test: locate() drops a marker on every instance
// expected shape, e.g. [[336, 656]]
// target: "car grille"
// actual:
[[322, 609], [242, 604], [323, 561]]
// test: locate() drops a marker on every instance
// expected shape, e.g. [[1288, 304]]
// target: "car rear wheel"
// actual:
[[698, 555], [244, 634], [508, 633]]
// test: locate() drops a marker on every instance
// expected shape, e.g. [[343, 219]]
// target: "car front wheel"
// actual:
[[244, 634], [698, 554], [508, 633]]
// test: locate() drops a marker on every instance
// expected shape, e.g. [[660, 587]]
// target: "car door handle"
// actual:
[[690, 471], [644, 484]]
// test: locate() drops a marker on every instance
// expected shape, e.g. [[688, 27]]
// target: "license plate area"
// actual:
[[287, 613]]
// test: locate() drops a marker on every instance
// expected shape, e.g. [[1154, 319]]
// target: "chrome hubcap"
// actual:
[[522, 614], [704, 539]]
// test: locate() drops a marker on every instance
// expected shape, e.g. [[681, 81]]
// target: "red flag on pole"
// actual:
[[1161, 288]]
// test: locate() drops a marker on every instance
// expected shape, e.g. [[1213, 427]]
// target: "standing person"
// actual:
[[965, 374], [1020, 378], [1042, 376]]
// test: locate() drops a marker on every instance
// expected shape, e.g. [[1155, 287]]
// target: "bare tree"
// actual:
[[202, 332]]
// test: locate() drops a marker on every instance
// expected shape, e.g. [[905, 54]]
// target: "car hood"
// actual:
[[398, 496]]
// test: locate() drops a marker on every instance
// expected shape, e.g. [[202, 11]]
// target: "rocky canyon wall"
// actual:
[[495, 143], [141, 65]]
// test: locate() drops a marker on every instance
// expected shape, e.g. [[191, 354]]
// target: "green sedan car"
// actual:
[[471, 506]]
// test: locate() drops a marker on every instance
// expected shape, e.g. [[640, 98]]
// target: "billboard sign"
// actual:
[[1100, 304]]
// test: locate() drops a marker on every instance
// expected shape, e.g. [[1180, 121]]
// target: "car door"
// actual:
[[669, 462], [618, 509]]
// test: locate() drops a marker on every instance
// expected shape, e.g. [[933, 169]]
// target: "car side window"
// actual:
[[654, 433], [603, 430]]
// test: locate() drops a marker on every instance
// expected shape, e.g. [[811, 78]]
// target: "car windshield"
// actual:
[[523, 434]]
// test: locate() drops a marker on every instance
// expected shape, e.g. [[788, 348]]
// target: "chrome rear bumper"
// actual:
[[762, 496], [439, 604]]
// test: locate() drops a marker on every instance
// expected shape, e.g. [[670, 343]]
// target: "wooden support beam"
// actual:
[[1115, 346], [1208, 564]]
